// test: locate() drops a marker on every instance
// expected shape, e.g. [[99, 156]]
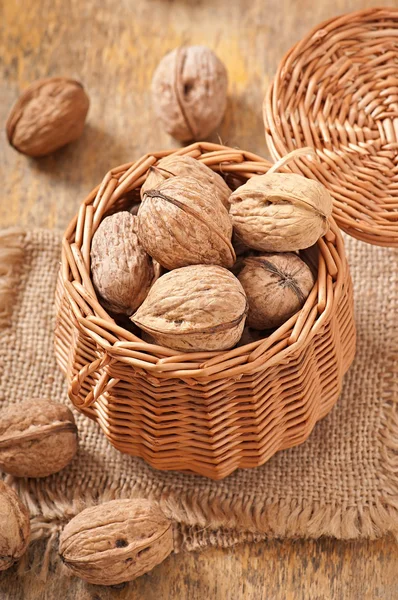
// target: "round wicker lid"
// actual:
[[337, 91]]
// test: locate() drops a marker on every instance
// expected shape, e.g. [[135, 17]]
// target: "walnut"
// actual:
[[189, 92], [122, 272], [116, 541], [280, 212], [49, 114], [201, 307], [182, 223], [186, 166], [37, 438], [14, 527], [276, 285]]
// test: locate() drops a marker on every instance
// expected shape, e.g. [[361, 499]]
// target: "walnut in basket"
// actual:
[[276, 286], [183, 223], [186, 166], [189, 92], [122, 271], [280, 212], [201, 307]]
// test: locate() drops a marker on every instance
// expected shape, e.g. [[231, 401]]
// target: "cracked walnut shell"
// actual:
[[195, 308], [183, 223], [276, 286], [189, 92], [186, 166], [122, 271], [37, 438], [116, 541], [49, 114], [14, 527], [280, 212]]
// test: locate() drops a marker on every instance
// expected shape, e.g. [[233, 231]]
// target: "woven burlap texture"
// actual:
[[342, 482]]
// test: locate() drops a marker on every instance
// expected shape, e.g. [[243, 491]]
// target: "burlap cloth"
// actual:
[[342, 482]]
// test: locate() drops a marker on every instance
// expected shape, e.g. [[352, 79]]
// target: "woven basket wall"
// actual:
[[209, 412], [336, 91]]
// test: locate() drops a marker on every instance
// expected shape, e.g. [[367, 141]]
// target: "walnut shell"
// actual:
[[201, 307], [186, 166], [49, 114], [37, 438], [276, 286], [189, 92], [116, 541], [182, 223], [280, 212], [121, 270], [14, 527]]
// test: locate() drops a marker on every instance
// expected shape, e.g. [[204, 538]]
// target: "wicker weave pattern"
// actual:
[[336, 91], [208, 412]]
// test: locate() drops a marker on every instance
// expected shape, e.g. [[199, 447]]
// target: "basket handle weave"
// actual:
[[79, 397]]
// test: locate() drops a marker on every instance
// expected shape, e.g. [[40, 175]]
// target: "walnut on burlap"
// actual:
[[342, 482]]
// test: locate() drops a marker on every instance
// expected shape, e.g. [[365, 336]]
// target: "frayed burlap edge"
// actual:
[[208, 520]]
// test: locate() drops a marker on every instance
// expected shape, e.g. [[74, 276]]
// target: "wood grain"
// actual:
[[113, 48], [295, 570]]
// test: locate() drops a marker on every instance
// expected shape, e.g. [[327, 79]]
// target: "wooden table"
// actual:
[[113, 48]]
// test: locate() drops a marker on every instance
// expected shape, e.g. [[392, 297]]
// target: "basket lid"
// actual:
[[337, 92]]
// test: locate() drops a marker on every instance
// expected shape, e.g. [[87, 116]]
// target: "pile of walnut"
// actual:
[[106, 544], [189, 222]]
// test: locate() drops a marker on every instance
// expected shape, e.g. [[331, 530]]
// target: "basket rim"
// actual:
[[117, 345], [378, 229]]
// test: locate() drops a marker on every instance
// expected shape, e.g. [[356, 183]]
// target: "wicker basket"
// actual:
[[208, 412], [336, 91]]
